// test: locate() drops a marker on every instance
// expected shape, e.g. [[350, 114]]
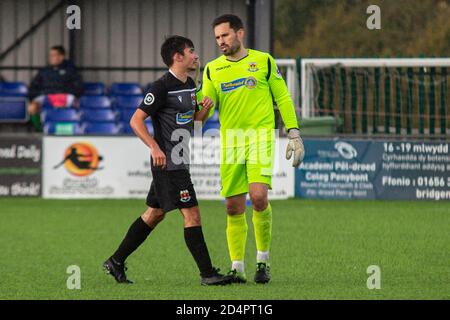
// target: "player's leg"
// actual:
[[259, 171], [195, 241], [262, 225], [136, 235], [138, 232], [237, 235], [234, 189], [183, 197]]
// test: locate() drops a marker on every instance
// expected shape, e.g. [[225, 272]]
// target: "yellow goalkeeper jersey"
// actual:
[[244, 91]]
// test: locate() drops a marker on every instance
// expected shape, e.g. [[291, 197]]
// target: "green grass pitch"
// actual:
[[320, 250]]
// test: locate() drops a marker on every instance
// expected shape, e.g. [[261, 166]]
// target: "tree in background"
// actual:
[[337, 28]]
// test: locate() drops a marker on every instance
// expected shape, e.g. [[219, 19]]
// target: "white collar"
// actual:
[[173, 73]]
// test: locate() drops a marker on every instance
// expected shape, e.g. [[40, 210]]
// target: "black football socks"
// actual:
[[136, 235], [197, 246]]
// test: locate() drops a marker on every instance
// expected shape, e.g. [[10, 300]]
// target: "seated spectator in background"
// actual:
[[58, 84]]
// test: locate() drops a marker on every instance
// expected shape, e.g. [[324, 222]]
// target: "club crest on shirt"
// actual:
[[252, 67], [194, 98], [184, 196]]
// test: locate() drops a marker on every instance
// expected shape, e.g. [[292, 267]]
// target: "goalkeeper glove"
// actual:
[[295, 145]]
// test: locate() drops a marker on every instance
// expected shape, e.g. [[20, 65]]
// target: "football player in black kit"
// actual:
[[172, 104]]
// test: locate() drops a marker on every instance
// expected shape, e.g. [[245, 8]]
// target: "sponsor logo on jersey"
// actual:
[[180, 98], [224, 67], [149, 99], [184, 118], [185, 196], [252, 67], [250, 82], [232, 85]]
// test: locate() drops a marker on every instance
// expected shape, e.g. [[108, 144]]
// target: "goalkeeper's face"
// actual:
[[228, 40]]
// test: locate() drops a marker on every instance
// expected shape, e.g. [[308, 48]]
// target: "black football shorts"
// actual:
[[171, 190]]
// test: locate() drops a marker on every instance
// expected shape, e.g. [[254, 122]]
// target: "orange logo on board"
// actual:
[[81, 159]]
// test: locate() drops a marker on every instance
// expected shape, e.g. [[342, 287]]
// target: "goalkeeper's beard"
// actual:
[[233, 50]]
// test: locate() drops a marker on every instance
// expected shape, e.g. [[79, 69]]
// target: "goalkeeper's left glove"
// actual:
[[295, 145]]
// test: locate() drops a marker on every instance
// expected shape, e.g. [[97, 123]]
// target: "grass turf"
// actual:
[[320, 250]]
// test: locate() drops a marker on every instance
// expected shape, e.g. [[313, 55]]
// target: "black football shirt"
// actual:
[[171, 104]]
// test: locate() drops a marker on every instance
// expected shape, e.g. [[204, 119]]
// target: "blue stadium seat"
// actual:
[[126, 128], [13, 109], [126, 114], [95, 102], [16, 89], [125, 89], [127, 102], [211, 125], [105, 128], [61, 115], [93, 89], [99, 115], [215, 116], [63, 128]]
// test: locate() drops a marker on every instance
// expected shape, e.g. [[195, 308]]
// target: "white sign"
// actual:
[[94, 167], [119, 167]]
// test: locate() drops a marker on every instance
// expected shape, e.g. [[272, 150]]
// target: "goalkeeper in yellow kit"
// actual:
[[243, 83]]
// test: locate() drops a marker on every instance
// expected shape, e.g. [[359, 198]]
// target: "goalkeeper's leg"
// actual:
[[262, 224], [237, 235]]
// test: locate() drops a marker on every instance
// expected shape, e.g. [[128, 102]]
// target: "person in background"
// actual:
[[59, 84]]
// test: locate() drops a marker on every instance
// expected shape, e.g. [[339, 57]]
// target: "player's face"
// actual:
[[228, 40], [55, 58], [190, 59]]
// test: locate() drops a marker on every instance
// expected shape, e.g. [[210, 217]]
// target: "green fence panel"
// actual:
[[398, 101], [409, 101], [376, 100], [421, 100], [387, 101], [354, 100], [443, 100], [365, 86]]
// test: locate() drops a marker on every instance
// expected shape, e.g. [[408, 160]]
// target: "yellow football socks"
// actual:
[[262, 223], [236, 236]]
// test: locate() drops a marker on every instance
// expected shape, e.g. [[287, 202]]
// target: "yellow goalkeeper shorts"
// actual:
[[240, 166]]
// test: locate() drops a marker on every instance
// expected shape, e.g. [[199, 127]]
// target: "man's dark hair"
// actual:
[[60, 49], [234, 21], [172, 45]]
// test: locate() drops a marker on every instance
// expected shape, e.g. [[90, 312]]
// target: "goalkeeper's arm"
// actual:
[[284, 102]]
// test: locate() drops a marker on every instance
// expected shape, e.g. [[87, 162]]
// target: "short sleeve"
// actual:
[[154, 98]]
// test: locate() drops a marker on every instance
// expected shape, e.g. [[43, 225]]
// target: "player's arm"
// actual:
[[152, 101], [202, 113], [285, 104], [209, 91], [281, 95]]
